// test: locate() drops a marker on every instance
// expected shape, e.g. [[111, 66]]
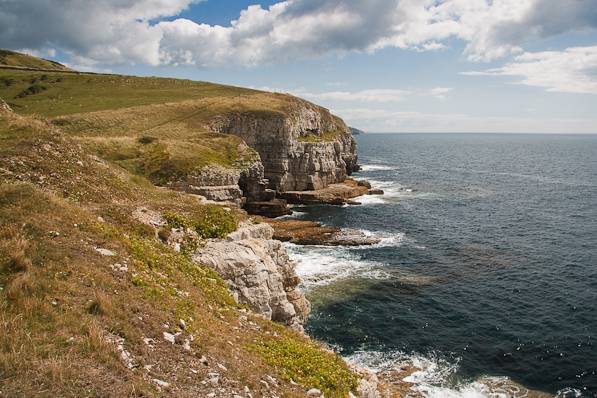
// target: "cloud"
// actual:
[[373, 95], [379, 120], [99, 31], [573, 70], [140, 31], [381, 96], [440, 92]]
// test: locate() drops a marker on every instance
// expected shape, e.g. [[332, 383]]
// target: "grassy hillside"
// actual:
[[55, 94], [14, 59], [154, 127], [87, 291]]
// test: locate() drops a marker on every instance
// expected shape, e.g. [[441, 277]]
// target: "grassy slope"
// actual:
[[11, 58], [62, 305], [110, 114]]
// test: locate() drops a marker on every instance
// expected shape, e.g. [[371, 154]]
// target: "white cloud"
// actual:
[[381, 96], [573, 70], [373, 95], [379, 120], [120, 31], [99, 31], [440, 92]]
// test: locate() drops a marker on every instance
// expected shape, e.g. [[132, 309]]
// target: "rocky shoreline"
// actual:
[[302, 232]]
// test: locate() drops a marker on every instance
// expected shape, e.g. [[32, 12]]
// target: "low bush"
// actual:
[[31, 90], [210, 222]]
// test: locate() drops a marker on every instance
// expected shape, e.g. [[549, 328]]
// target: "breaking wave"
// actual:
[[435, 377], [323, 265]]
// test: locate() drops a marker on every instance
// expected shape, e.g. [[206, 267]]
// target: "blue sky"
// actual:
[[382, 65]]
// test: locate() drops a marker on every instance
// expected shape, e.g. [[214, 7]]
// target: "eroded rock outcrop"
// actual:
[[259, 273], [223, 184], [303, 232], [304, 147]]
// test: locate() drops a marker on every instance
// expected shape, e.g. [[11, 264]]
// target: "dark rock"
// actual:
[[271, 208], [303, 232], [334, 194]]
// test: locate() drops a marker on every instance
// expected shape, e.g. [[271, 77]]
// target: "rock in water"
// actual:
[[259, 273]]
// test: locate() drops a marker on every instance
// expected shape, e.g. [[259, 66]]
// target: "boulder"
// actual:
[[334, 194], [259, 273]]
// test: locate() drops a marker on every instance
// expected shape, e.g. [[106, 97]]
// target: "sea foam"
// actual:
[[434, 377], [377, 167], [323, 265]]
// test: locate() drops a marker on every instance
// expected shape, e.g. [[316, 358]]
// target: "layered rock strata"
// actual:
[[259, 272], [302, 148], [224, 184]]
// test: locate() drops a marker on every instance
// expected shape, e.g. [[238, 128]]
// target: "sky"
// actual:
[[518, 66]]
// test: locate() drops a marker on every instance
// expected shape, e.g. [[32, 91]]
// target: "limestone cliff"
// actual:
[[259, 273], [303, 148], [221, 184]]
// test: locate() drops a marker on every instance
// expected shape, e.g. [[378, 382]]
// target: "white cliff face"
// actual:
[[223, 184], [291, 164], [259, 273]]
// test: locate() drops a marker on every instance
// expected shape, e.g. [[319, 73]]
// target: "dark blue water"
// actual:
[[489, 259]]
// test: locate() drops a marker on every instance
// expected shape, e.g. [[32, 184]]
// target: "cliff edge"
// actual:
[[304, 147]]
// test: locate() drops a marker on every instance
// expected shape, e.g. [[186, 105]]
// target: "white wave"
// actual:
[[295, 214], [377, 167], [323, 265], [433, 375], [386, 239], [393, 192]]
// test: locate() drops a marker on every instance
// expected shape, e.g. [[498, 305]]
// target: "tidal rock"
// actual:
[[273, 208], [259, 273], [302, 232], [334, 194]]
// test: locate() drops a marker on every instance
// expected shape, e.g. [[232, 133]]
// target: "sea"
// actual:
[[486, 269]]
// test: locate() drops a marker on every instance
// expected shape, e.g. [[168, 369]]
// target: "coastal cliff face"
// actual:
[[259, 273], [305, 148], [221, 184]]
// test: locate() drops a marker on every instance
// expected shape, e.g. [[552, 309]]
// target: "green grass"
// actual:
[[307, 364], [69, 93], [211, 222], [11, 58], [327, 136]]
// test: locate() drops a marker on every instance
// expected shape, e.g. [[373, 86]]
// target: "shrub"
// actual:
[[146, 139], [308, 365], [31, 90], [211, 222], [7, 81]]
